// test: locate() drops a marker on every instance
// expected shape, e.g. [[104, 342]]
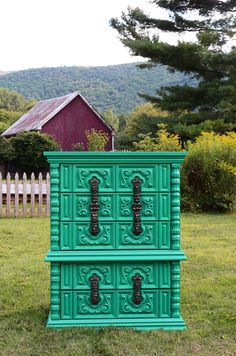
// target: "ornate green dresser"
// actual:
[[115, 239]]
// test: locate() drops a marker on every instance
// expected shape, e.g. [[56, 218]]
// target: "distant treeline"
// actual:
[[107, 87]]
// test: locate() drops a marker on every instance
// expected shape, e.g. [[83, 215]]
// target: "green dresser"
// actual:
[[115, 239]]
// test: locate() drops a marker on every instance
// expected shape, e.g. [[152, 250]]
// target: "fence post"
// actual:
[[32, 191], [16, 209], [47, 194], [8, 209], [24, 210], [40, 192], [0, 194]]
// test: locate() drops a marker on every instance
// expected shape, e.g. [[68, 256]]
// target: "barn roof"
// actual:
[[44, 111]]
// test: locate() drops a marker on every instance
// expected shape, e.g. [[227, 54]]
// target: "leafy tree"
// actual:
[[29, 148], [142, 120], [97, 140], [11, 100], [3, 127], [12, 107], [7, 152], [111, 118], [210, 58]]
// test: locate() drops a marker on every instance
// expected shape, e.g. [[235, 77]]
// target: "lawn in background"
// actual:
[[208, 296]]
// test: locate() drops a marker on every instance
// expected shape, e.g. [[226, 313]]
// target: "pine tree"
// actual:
[[209, 58]]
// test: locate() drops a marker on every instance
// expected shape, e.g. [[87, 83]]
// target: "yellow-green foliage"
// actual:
[[142, 118], [209, 173], [97, 140], [163, 141]]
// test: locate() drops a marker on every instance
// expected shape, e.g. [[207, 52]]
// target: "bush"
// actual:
[[209, 173], [97, 140], [29, 148], [163, 141]]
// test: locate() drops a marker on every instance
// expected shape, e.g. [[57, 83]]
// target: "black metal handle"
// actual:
[[137, 296], [94, 206], [136, 206], [94, 282]]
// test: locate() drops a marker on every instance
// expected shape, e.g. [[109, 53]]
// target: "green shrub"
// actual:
[[163, 141], [97, 140], [29, 148], [209, 173]]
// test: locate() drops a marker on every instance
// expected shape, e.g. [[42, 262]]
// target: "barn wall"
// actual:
[[69, 125]]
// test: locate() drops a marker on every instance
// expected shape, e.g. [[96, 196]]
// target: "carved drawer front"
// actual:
[[82, 176], [156, 303], [111, 207], [77, 207], [77, 178], [154, 178], [83, 272], [126, 174], [146, 308], [82, 210], [78, 275], [149, 207], [152, 275], [77, 236], [84, 308], [153, 235], [114, 275], [78, 305], [146, 239], [118, 303], [153, 206]]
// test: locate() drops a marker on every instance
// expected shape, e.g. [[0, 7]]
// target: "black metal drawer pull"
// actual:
[[94, 282], [136, 206], [137, 296], [94, 206]]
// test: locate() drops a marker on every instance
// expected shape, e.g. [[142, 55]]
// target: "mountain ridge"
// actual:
[[113, 86]]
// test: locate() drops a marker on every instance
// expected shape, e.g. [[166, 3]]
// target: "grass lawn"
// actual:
[[208, 296]]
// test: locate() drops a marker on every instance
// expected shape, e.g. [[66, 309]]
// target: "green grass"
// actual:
[[208, 296]]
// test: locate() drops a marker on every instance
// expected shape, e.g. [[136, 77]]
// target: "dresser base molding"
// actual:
[[138, 324]]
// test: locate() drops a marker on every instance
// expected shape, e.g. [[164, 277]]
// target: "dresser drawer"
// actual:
[[153, 206], [76, 178], [77, 236], [115, 275], [114, 207], [77, 305], [115, 303], [76, 207], [153, 177]]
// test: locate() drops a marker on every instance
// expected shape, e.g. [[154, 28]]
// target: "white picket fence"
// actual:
[[24, 197]]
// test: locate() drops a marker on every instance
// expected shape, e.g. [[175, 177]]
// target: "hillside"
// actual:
[[113, 86]]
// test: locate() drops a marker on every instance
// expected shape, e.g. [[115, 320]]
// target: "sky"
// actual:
[[51, 33]]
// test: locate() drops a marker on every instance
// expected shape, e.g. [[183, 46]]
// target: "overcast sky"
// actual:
[[49, 33]]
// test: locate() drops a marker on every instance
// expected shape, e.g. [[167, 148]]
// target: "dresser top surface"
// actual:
[[115, 157]]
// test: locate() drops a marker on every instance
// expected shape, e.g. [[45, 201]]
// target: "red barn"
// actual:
[[65, 118]]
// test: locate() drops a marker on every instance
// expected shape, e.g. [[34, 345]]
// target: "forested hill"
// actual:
[[113, 86]]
